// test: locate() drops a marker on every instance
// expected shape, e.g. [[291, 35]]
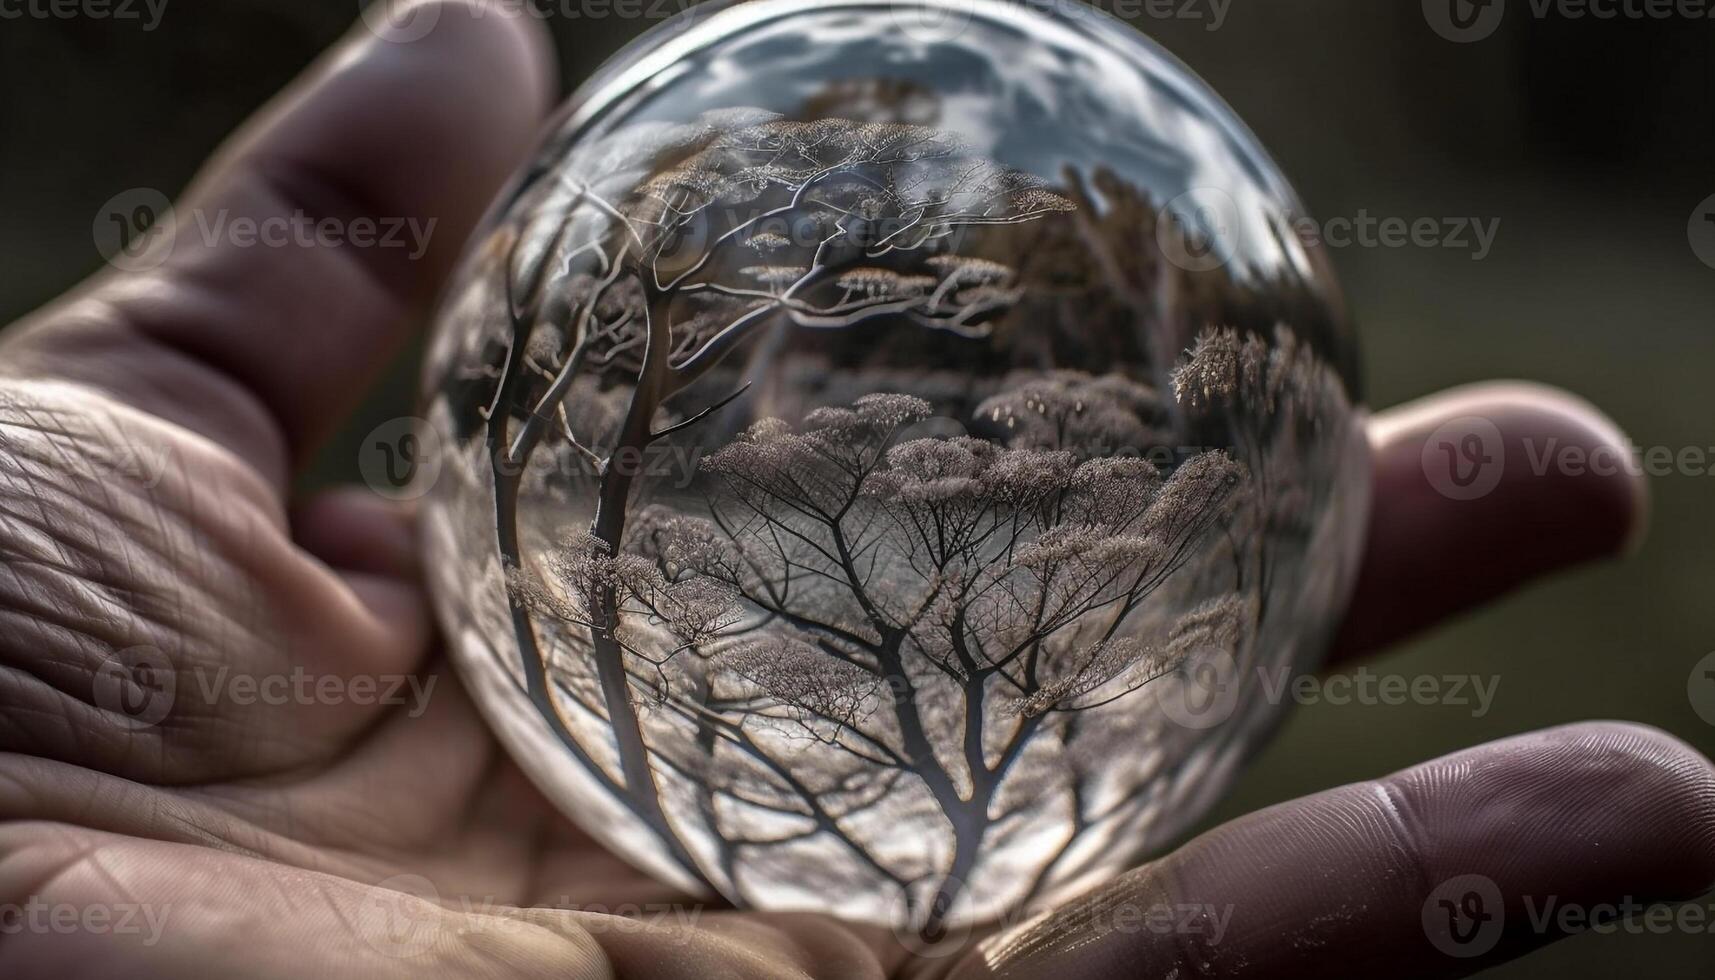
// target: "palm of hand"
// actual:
[[345, 781], [375, 776], [349, 821]]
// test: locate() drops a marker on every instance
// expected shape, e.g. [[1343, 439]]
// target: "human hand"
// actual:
[[336, 836]]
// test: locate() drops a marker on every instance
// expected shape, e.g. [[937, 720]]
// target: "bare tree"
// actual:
[[854, 629], [746, 228], [926, 607]]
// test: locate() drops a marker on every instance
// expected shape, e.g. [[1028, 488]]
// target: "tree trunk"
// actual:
[[508, 474]]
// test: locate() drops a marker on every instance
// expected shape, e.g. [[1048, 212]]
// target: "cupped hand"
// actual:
[[356, 818]]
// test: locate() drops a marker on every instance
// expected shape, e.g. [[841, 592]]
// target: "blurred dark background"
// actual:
[[1591, 142]]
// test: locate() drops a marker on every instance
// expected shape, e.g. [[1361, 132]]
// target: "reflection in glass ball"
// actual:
[[889, 467]]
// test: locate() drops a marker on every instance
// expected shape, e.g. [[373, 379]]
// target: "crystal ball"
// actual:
[[892, 455]]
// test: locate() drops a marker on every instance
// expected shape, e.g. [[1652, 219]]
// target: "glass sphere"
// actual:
[[893, 455]]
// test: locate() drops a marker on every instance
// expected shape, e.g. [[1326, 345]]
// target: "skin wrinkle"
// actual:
[[40, 617], [14, 891], [106, 598], [271, 798], [166, 384], [13, 722], [51, 613], [177, 550], [158, 502], [322, 192], [91, 611], [92, 591], [65, 455], [184, 315], [1407, 835], [90, 541], [134, 809]]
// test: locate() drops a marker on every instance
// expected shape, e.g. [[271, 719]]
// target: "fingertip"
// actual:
[[1554, 441], [425, 102], [1661, 789], [1483, 488], [519, 39], [370, 542], [411, 123], [522, 44], [1553, 444], [354, 529], [1588, 809]]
